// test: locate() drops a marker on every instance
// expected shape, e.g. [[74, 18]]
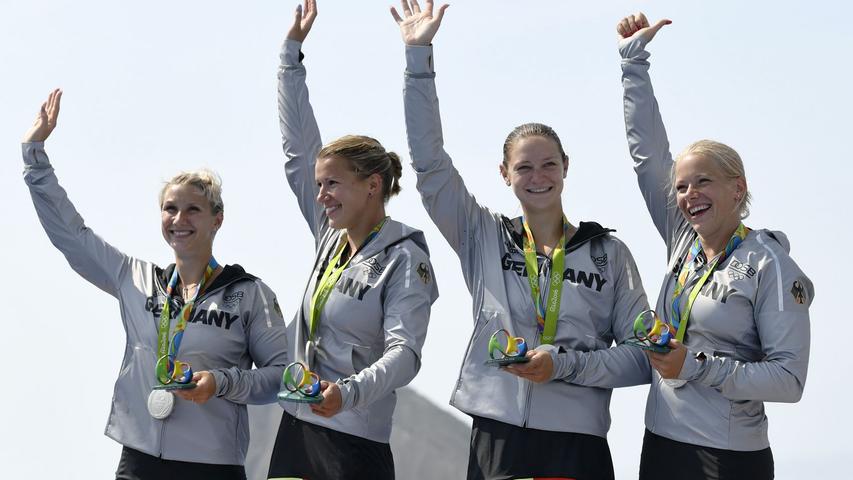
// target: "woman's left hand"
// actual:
[[332, 400], [669, 364], [204, 389], [539, 369]]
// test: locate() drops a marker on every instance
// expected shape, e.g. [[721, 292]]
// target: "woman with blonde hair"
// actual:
[[365, 310], [737, 301], [194, 328]]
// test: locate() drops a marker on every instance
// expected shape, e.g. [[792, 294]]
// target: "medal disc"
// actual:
[[160, 403]]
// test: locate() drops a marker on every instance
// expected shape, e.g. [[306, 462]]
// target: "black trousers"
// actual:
[[502, 451], [665, 458], [305, 450], [135, 465]]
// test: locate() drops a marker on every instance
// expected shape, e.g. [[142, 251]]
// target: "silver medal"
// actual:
[[161, 403]]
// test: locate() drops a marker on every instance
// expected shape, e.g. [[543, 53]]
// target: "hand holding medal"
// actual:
[[504, 349]]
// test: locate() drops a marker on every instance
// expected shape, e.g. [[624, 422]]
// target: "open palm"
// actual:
[[45, 121], [302, 21], [418, 27]]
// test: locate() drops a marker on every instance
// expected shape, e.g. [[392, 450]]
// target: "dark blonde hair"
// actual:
[[367, 156], [725, 158], [205, 180], [531, 130]]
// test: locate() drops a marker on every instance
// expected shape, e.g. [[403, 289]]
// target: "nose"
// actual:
[[321, 194]]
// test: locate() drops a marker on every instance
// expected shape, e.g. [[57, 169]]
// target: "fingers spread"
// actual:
[[397, 17], [415, 7], [407, 10]]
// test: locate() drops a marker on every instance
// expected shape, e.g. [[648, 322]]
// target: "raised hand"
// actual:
[[638, 24], [302, 21], [418, 27], [45, 121]]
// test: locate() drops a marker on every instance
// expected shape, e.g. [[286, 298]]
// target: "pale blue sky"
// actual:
[[155, 87]]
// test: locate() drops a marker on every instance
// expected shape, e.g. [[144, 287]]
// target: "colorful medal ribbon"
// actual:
[[546, 315], [332, 274], [169, 369], [679, 317]]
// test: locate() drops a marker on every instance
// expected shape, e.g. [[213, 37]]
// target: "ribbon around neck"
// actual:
[[169, 369], [547, 314], [681, 317]]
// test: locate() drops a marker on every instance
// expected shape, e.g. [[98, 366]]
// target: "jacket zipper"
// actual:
[[545, 271]]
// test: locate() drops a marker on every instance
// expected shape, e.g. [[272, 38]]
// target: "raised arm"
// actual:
[[452, 208], [300, 136], [647, 140], [88, 254]]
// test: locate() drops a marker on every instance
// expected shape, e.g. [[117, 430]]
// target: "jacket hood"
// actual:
[[392, 233], [230, 274], [780, 238], [586, 232]]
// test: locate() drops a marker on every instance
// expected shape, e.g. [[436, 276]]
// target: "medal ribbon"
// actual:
[[332, 274], [546, 315], [166, 370], [679, 317]]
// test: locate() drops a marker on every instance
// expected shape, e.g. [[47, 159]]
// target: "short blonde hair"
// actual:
[[725, 158], [205, 180], [367, 156]]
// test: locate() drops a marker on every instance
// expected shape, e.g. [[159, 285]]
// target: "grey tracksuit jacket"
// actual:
[[748, 334], [601, 294], [374, 323], [235, 323]]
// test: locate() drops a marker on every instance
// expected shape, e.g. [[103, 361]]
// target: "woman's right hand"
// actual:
[[302, 21], [46, 119], [639, 24], [418, 27]]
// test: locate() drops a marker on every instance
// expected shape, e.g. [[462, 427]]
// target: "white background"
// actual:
[[155, 87]]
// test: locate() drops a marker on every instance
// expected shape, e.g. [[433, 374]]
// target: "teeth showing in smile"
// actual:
[[181, 233], [330, 210], [538, 190], [698, 209]]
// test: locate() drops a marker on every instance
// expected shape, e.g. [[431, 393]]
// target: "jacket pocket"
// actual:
[[360, 357]]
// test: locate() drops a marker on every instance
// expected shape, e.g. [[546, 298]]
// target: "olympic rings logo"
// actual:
[[507, 345], [297, 378], [170, 370], [649, 327]]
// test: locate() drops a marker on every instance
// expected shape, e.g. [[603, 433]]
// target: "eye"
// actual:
[[168, 208], [681, 188], [522, 168], [194, 208], [704, 181]]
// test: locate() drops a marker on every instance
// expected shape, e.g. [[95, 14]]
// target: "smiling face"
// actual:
[[535, 170], [346, 198], [708, 199], [187, 220]]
